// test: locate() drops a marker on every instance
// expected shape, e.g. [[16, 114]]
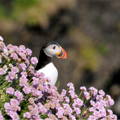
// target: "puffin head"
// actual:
[[54, 49]]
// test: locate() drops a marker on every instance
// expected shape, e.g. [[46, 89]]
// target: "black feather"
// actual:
[[43, 59]]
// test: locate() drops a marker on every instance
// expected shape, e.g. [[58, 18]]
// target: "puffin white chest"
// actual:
[[50, 71]]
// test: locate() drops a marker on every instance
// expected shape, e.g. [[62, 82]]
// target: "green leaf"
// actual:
[[44, 116]]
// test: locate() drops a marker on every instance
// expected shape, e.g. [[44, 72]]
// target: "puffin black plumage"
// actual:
[[45, 64]]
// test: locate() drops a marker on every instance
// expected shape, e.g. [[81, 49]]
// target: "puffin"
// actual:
[[45, 64]]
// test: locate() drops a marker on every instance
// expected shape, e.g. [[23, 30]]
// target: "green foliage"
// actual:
[[24, 108], [102, 49], [3, 96], [2, 12], [17, 7], [44, 116], [24, 3]]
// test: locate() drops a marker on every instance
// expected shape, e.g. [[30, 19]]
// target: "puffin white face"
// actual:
[[55, 50]]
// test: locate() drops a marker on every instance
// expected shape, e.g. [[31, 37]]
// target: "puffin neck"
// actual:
[[43, 60]]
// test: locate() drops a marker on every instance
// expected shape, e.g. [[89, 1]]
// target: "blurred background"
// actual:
[[88, 29]]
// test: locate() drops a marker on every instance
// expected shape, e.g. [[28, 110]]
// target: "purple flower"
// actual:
[[14, 56], [77, 110], [27, 115], [42, 109], [101, 92], [23, 81], [10, 90], [35, 81], [67, 109], [86, 95], [22, 48], [23, 66], [1, 38], [19, 95], [83, 88], [109, 101], [34, 60], [63, 93], [22, 55], [28, 52], [12, 75], [60, 112], [7, 106], [14, 101], [2, 71], [93, 91], [14, 69], [27, 89], [71, 86], [72, 94], [13, 115], [1, 116], [2, 46], [67, 99], [77, 102], [12, 48], [72, 117]]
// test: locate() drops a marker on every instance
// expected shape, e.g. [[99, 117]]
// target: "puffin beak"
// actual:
[[63, 54]]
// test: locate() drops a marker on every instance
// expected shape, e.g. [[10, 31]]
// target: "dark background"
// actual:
[[88, 29]]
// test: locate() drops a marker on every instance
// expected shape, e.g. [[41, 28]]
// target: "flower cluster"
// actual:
[[27, 95]]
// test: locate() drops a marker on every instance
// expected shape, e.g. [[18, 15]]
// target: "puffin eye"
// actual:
[[54, 47]]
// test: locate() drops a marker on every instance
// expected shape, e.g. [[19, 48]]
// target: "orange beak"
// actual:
[[63, 54]]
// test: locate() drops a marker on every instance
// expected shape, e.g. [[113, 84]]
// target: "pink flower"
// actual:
[[23, 81], [60, 112], [10, 90], [2, 71], [22, 55], [77, 110], [28, 52], [42, 109], [19, 95], [13, 115], [14, 56], [67, 99], [2, 46], [23, 66], [77, 102], [101, 92], [27, 115], [86, 95], [1, 38], [22, 48], [34, 60], [35, 81], [109, 101], [72, 94], [72, 117], [70, 86], [15, 69], [14, 101], [83, 88], [1, 116], [12, 75], [7, 106], [27, 89], [67, 109], [37, 93], [93, 91], [63, 93]]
